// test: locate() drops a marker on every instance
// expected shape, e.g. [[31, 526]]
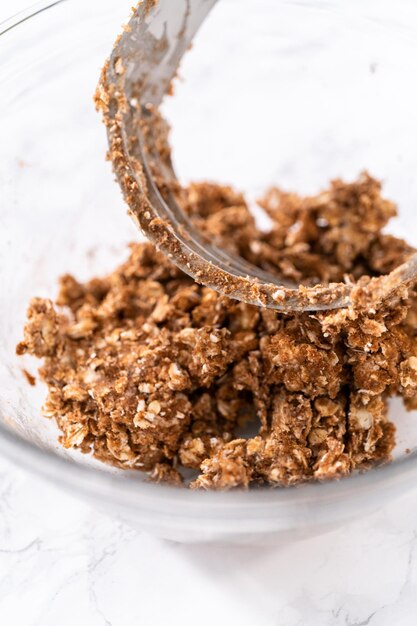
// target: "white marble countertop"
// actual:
[[63, 563]]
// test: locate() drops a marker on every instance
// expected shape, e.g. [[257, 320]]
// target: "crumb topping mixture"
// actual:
[[149, 370]]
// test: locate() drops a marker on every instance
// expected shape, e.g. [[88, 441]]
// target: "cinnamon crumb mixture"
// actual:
[[30, 379], [148, 370]]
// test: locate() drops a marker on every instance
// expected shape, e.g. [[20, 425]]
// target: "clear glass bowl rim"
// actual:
[[247, 508]]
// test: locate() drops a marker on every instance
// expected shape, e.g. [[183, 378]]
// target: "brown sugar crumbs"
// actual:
[[149, 370], [30, 379]]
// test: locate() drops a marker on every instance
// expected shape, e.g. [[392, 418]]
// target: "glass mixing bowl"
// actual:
[[286, 92]]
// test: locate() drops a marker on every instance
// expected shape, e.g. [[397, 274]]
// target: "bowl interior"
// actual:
[[283, 93]]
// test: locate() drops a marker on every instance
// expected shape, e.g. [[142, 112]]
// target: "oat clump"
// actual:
[[148, 370]]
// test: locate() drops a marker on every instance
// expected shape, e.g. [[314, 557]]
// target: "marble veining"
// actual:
[[62, 562]]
